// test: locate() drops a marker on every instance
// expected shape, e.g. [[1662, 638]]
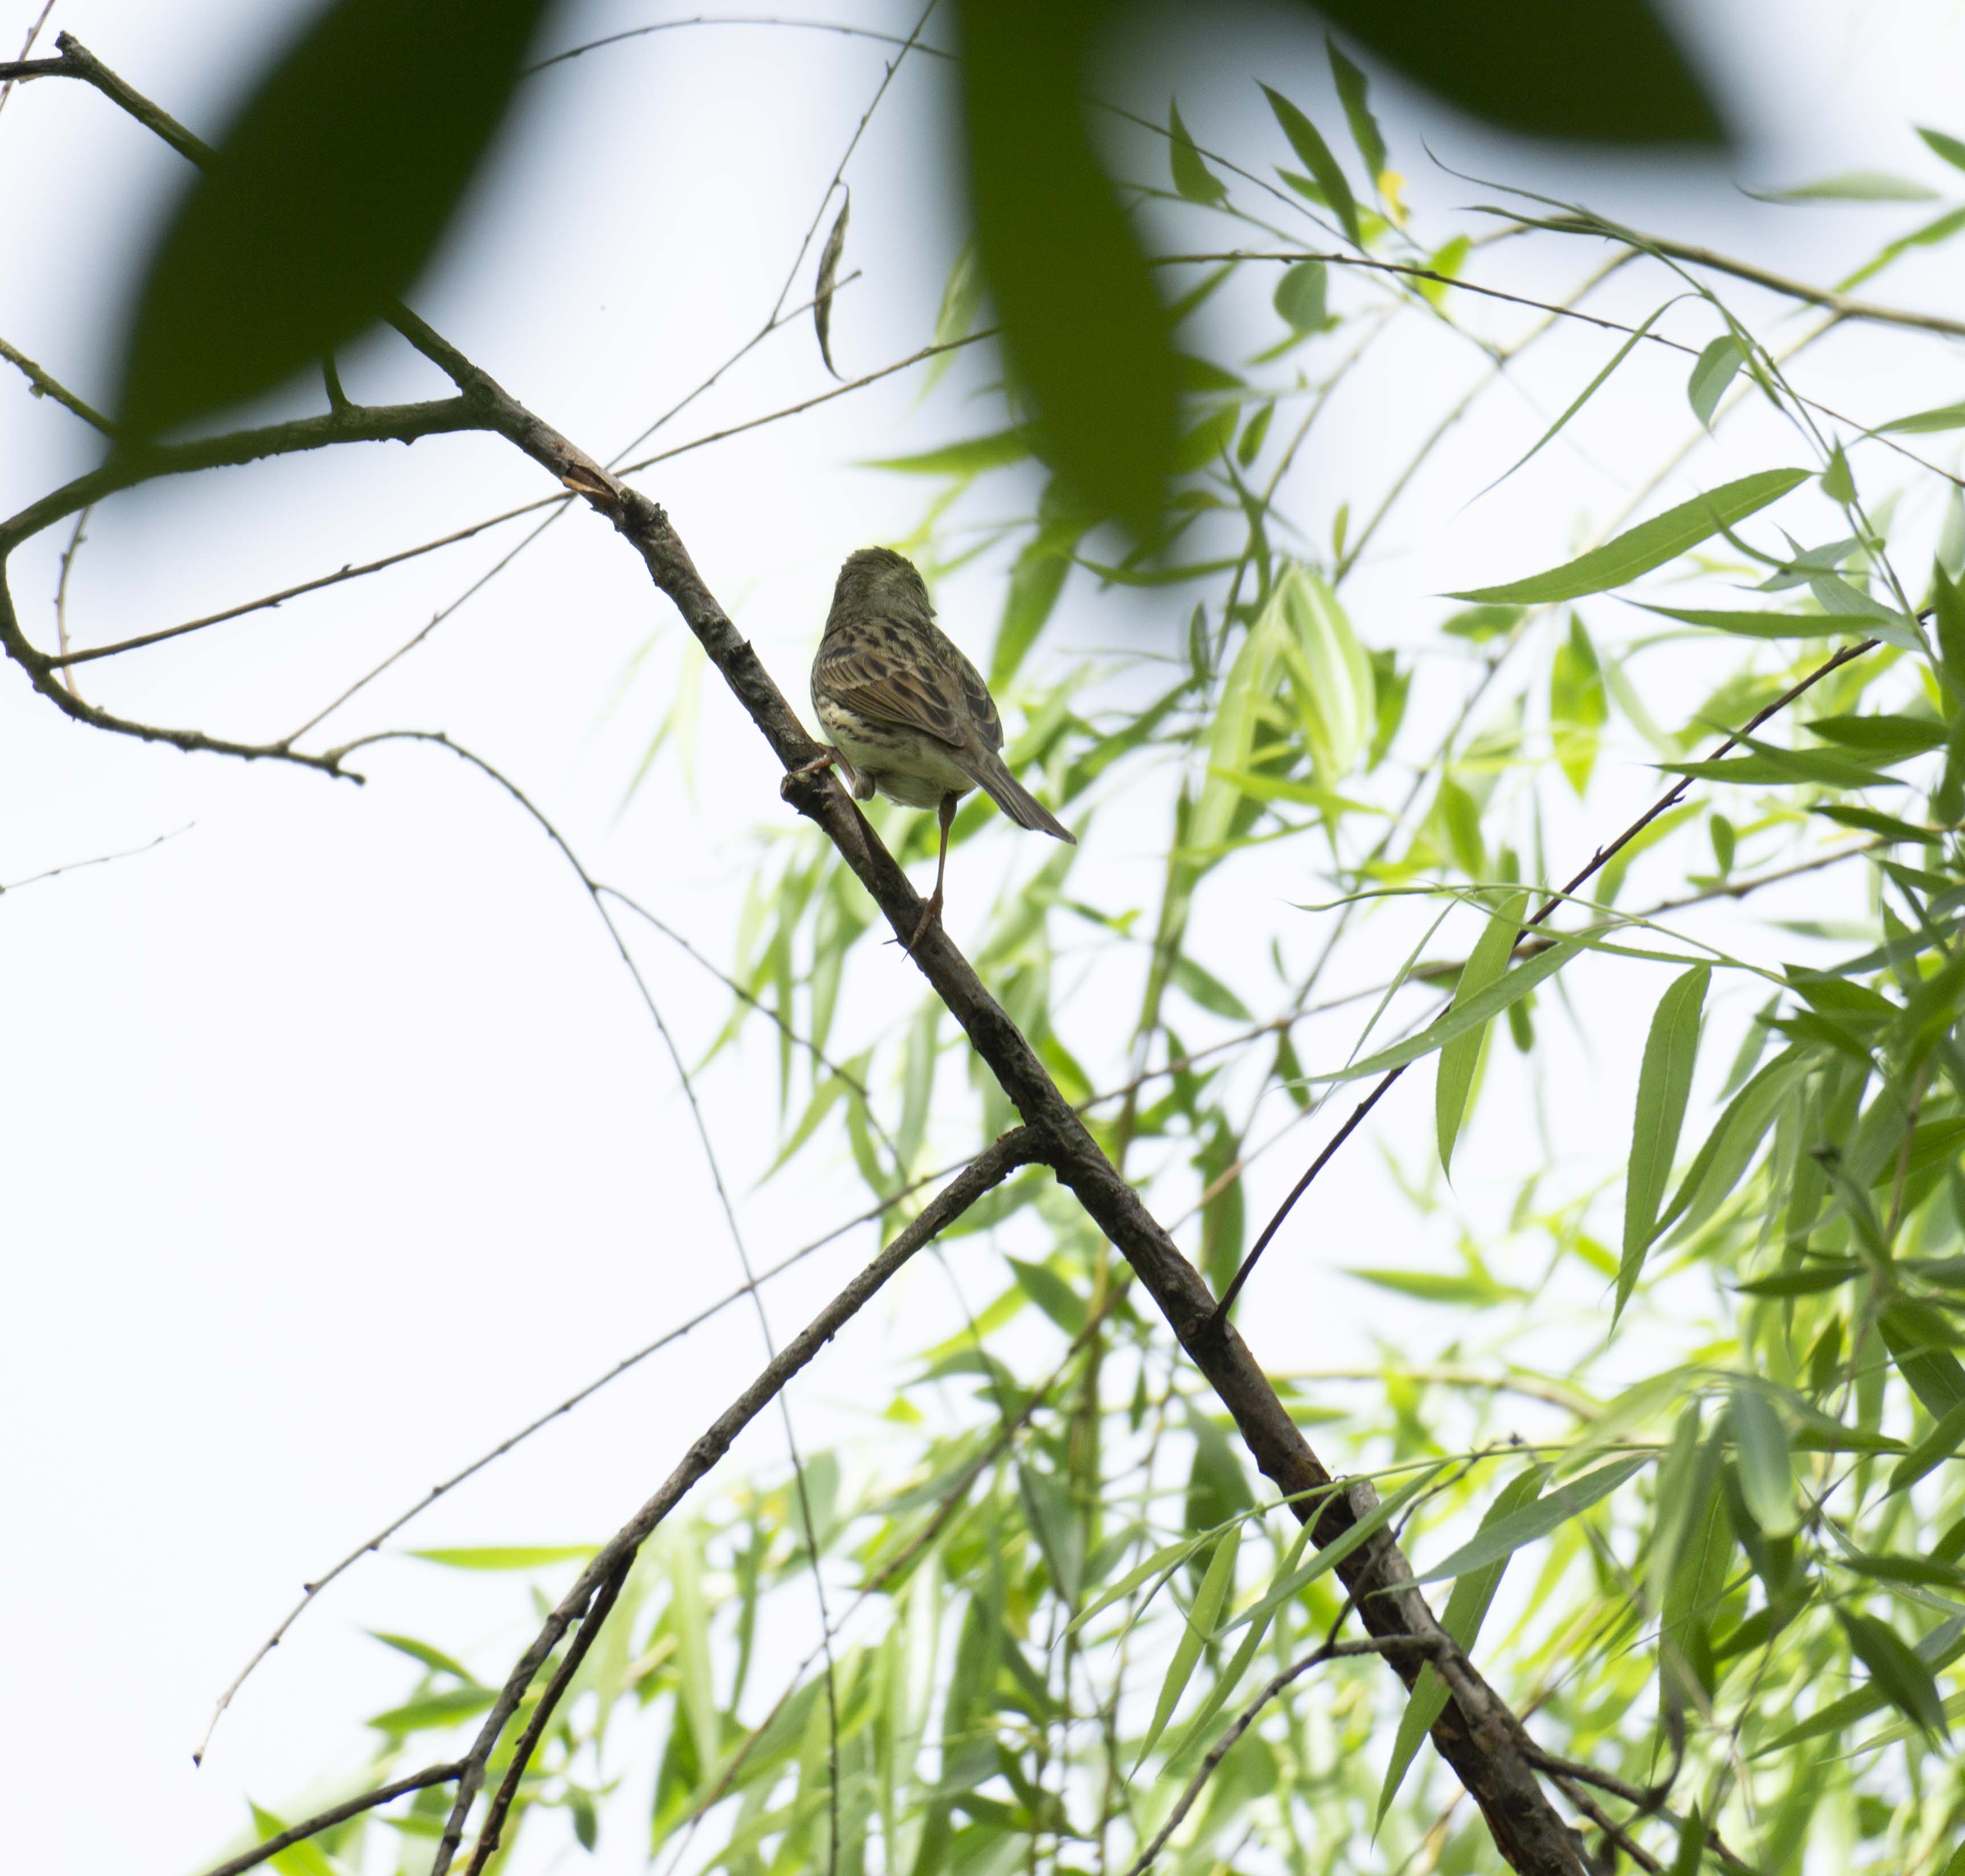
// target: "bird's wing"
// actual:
[[877, 674], [988, 726]]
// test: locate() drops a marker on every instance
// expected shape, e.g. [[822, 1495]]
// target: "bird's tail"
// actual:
[[1009, 794]]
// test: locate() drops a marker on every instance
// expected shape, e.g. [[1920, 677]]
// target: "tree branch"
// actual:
[[337, 1814], [1017, 1148], [46, 386]]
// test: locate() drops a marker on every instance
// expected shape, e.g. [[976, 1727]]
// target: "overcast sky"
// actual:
[[337, 1142]]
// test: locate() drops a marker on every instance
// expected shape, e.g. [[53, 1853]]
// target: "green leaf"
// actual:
[[1759, 625], [1207, 990], [1665, 1085], [1051, 1294], [1769, 765], [1904, 1680], [1425, 1286], [1946, 416], [1950, 148], [1608, 72], [1577, 708], [430, 1657], [1314, 154], [1352, 93], [961, 301], [450, 1708], [1767, 1467], [324, 202], [1330, 673], [508, 1557], [1712, 373], [1082, 326], [1202, 1619], [1459, 1058], [1459, 1020], [1497, 1542], [304, 1858], [1853, 185], [1192, 177], [1300, 297], [1649, 545], [1466, 1610], [1937, 1650], [965, 459]]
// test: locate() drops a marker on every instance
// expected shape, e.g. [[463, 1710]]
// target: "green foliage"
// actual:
[[324, 201]]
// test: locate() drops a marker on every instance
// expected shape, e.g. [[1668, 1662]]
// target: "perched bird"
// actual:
[[908, 714]]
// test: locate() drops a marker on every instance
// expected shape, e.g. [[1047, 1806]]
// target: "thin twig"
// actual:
[[1602, 857], [27, 46], [100, 860], [336, 1814], [68, 553], [43, 386]]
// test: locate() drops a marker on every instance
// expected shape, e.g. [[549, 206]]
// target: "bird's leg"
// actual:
[[932, 910], [860, 788]]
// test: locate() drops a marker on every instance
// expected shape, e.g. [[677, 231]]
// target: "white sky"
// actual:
[[323, 1122]]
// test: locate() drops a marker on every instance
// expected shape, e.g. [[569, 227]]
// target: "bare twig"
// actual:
[[43, 386], [100, 860], [336, 1814], [27, 46], [68, 553]]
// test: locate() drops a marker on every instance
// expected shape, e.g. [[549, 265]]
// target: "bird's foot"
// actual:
[[930, 914]]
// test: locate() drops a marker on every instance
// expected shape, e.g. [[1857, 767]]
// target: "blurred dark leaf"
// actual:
[[1192, 177], [1082, 326], [821, 292], [325, 200], [1604, 73], [1353, 93], [1308, 143]]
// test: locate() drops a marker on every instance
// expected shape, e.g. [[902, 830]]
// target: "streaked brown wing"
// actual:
[[975, 693], [879, 674]]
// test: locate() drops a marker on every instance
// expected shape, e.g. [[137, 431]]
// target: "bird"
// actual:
[[907, 713]]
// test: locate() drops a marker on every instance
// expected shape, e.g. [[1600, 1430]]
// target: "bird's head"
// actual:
[[878, 580]]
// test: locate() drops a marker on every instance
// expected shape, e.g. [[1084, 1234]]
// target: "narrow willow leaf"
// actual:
[[1665, 1085], [1466, 1610], [1577, 708], [1767, 1466], [1208, 1601], [1051, 1294], [1192, 177], [1691, 1850], [433, 1658], [1649, 545], [507, 1556], [970, 458], [1712, 372], [823, 286], [1459, 1058], [1563, 1502], [1334, 1552], [1459, 1021], [304, 1858], [324, 201], [1949, 147], [1758, 625], [1937, 1651], [1946, 416], [1314, 154], [1331, 674], [1853, 185], [1230, 1677], [1904, 1680], [1163, 1563], [961, 301], [1353, 89]]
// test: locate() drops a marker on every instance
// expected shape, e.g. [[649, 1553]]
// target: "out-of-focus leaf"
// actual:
[[1192, 177], [1353, 92], [1314, 154], [1852, 185], [970, 458], [1769, 765], [1904, 1679], [325, 200], [1577, 708], [304, 1858], [1495, 1542], [1759, 624], [1712, 373], [1051, 1294], [1943, 145], [507, 1556], [1937, 1650], [1466, 1610], [1665, 1085], [823, 284], [1649, 545], [434, 1658], [1767, 1466], [1460, 1057], [1461, 1292], [1082, 326], [1946, 416], [1604, 73], [450, 1708], [1208, 1602], [1330, 673], [1300, 296], [961, 301]]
